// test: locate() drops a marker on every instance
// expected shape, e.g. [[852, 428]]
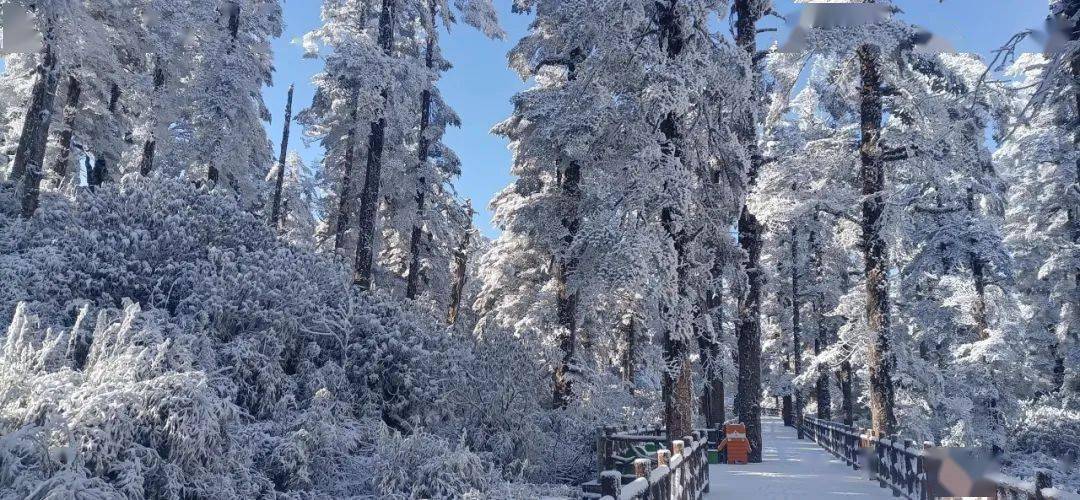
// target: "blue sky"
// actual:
[[480, 85]]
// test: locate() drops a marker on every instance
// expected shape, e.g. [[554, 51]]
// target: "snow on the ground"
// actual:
[[792, 469]]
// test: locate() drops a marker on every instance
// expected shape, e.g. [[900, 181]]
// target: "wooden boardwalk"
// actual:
[[792, 469]]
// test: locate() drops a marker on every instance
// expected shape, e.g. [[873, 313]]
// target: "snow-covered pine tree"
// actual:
[[645, 177], [810, 183], [298, 199], [1035, 160], [228, 146], [421, 215], [749, 286], [398, 53]]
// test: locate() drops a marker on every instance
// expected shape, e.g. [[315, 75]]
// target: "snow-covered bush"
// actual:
[[501, 404], [1047, 438], [136, 419], [165, 343]]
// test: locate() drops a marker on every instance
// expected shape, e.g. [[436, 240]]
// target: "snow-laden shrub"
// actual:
[[501, 403], [167, 344], [139, 415], [1047, 438], [425, 466]]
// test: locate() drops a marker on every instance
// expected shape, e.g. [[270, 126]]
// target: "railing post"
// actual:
[[703, 465], [879, 452], [641, 467], [604, 449], [909, 473], [677, 447], [1043, 480], [610, 483], [663, 457]]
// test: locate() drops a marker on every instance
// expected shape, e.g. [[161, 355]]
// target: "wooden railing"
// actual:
[[638, 465], [899, 464]]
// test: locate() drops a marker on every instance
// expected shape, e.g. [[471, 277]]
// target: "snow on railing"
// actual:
[[899, 464], [681, 473]]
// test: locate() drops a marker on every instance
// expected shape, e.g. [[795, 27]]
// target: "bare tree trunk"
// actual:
[[787, 410], [565, 266], [677, 389], [822, 398], [30, 153], [629, 358], [279, 182], [1058, 372], [146, 163], [114, 97], [796, 328], [460, 266], [71, 109], [348, 167], [423, 148], [709, 348], [847, 403], [369, 197], [100, 172], [875, 252], [748, 325], [567, 298]]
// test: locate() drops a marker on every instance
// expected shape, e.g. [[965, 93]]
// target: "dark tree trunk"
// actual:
[[565, 266], [847, 404], [677, 389], [348, 167], [978, 266], [279, 182], [629, 357], [71, 109], [748, 325], [796, 328], [822, 398], [100, 172], [30, 153], [146, 163], [787, 411], [423, 148], [1058, 372], [567, 298], [461, 262], [369, 197], [114, 98], [710, 348], [875, 252]]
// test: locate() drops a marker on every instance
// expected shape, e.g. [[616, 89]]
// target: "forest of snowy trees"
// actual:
[[856, 224]]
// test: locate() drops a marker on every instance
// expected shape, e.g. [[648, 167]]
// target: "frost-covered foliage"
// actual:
[[377, 111], [166, 344], [981, 242], [627, 178]]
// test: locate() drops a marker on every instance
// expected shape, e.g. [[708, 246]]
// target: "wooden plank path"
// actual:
[[792, 469]]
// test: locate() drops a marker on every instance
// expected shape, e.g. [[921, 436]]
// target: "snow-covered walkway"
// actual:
[[793, 469]]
